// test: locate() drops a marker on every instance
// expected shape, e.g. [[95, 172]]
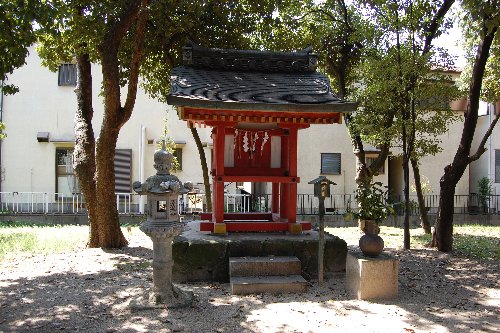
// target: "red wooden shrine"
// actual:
[[255, 102]]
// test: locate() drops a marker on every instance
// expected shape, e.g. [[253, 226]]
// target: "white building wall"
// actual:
[[334, 138], [43, 106], [485, 165], [433, 166]]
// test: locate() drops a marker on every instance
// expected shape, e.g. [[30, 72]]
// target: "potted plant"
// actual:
[[373, 207]]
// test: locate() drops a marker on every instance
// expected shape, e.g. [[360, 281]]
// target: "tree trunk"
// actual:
[[442, 237], [443, 232], [204, 167], [110, 234], [84, 153], [100, 191], [420, 196]]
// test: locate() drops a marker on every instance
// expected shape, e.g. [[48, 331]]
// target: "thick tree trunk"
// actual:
[[442, 237], [420, 196], [84, 153], [105, 229], [443, 232], [110, 234], [406, 190], [204, 168]]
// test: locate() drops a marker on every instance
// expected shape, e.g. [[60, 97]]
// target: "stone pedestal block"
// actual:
[[372, 278]]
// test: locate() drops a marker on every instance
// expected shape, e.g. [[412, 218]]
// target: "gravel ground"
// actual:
[[91, 290]]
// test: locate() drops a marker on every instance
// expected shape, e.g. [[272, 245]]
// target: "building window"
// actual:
[[123, 168], [67, 75], [330, 163], [66, 182], [497, 165], [369, 161], [178, 155]]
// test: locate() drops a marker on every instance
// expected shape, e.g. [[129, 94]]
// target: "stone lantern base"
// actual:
[[164, 292]]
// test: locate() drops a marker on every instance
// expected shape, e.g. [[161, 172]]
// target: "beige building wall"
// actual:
[[486, 165], [334, 138], [42, 106]]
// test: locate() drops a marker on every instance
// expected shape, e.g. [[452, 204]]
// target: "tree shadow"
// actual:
[[447, 290], [99, 301]]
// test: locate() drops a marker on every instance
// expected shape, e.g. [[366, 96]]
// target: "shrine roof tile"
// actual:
[[252, 80]]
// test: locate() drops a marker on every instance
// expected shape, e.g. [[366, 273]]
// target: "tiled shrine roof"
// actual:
[[252, 80]]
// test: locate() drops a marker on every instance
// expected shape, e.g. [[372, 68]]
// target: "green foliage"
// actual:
[[169, 144], [394, 77], [426, 186], [17, 33], [335, 29], [474, 27], [485, 188], [475, 241], [373, 203], [3, 135], [209, 23]]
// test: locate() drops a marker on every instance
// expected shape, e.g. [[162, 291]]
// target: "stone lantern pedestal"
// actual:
[[162, 225]]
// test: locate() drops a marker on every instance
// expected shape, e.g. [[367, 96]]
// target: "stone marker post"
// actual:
[[162, 225], [321, 191]]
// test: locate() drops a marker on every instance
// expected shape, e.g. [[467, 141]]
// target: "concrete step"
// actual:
[[244, 285], [264, 266]]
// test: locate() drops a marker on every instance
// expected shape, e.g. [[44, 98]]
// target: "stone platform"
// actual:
[[200, 256], [372, 278]]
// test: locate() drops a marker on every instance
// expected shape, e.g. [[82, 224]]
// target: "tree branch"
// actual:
[[119, 29], [479, 68], [135, 63], [480, 149], [435, 24]]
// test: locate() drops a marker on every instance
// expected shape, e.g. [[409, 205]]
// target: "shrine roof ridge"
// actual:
[[196, 56]]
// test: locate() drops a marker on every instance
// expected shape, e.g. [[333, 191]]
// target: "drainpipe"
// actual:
[[1, 119], [490, 111], [142, 154]]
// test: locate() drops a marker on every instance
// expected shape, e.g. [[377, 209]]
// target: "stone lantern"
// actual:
[[163, 224]]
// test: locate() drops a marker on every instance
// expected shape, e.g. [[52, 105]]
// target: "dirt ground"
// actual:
[[91, 290]]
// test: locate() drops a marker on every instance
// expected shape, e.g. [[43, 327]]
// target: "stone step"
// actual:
[[244, 285], [264, 266]]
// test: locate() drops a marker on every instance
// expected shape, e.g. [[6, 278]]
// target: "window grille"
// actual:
[[330, 163], [67, 75], [123, 170], [66, 181]]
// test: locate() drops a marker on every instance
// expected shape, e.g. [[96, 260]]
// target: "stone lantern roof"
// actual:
[[162, 181]]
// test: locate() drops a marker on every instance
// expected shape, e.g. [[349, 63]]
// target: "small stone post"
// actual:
[[321, 191], [162, 225]]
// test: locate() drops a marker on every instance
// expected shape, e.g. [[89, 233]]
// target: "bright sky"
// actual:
[[451, 42]]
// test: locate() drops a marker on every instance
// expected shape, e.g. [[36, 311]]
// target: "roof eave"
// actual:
[[340, 107]]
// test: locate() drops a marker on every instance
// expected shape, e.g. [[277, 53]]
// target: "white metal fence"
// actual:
[[307, 204], [57, 203]]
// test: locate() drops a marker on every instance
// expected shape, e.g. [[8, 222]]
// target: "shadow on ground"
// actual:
[[438, 293]]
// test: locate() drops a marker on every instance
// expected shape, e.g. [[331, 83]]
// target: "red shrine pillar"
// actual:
[[218, 137], [283, 198], [275, 198], [292, 167]]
